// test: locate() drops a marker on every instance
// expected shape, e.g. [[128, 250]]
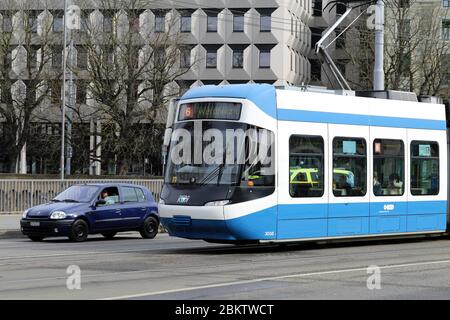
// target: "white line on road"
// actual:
[[298, 275]]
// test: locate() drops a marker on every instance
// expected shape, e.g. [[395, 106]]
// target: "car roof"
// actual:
[[111, 184]]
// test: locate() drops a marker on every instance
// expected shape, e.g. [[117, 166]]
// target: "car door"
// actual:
[[108, 216], [132, 210]]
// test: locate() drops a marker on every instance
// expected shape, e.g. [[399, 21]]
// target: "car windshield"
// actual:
[[77, 194]]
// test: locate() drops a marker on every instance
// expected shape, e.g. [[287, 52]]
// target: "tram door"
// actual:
[[389, 183], [303, 196], [349, 150]]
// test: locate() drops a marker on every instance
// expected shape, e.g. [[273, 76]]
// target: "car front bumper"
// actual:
[[45, 227]]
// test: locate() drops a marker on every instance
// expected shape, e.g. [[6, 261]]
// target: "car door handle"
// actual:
[[143, 209], [118, 210]]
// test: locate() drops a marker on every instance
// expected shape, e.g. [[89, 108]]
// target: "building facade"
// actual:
[[225, 42]]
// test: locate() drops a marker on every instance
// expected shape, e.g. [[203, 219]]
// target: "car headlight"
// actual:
[[58, 215], [24, 214], [217, 203]]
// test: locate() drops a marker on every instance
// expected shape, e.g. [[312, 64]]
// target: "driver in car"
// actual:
[[105, 196]]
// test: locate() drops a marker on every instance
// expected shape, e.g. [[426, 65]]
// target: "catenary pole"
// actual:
[[378, 79]]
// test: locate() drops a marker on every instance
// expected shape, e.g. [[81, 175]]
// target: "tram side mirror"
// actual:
[[167, 136]]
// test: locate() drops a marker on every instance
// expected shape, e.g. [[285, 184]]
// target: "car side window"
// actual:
[[140, 195], [110, 195], [129, 194]]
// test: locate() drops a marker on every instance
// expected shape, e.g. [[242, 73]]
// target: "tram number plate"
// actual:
[[35, 223]]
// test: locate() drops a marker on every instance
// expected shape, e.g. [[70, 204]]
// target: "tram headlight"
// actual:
[[217, 203]]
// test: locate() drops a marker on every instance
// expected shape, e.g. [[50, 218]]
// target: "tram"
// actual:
[[258, 163]]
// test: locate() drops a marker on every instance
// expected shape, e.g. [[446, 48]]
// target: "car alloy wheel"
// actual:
[[79, 231], [149, 228]]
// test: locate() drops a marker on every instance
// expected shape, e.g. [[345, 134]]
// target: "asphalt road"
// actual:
[[169, 268]]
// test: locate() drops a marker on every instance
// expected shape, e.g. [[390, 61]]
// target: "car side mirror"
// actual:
[[100, 202]]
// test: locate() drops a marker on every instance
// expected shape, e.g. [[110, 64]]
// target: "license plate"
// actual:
[[35, 223]]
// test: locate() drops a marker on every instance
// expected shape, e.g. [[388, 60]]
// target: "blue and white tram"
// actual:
[[341, 166]]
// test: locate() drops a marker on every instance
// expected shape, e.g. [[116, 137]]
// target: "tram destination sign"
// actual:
[[210, 110]]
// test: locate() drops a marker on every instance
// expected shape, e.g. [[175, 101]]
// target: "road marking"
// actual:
[[298, 275]]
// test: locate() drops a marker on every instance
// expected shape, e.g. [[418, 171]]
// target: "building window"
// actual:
[[186, 22], [316, 70], [388, 167], [32, 57], [292, 25], [32, 22], [7, 22], [446, 29], [56, 92], [317, 8], [349, 167], [316, 34], [211, 59], [57, 57], [107, 22], [238, 59], [212, 21], [108, 55], [7, 58], [135, 24], [82, 57], [306, 166], [185, 58], [264, 59], [404, 4], [81, 91], [340, 42], [265, 22], [424, 168], [160, 57], [341, 8], [446, 3], [238, 22], [292, 59], [85, 21], [58, 21], [160, 22]]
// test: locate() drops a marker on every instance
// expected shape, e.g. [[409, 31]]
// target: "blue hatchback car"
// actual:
[[105, 208]]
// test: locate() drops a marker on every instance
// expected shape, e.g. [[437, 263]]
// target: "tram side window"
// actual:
[[424, 168], [349, 167], [306, 166], [388, 167]]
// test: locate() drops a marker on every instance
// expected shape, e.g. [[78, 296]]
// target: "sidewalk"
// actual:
[[10, 225]]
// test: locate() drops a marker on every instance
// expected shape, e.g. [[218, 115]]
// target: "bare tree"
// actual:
[[415, 52], [131, 68], [25, 53]]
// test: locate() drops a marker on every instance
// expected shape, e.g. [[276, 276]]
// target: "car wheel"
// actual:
[[109, 235], [79, 231], [149, 228], [36, 238]]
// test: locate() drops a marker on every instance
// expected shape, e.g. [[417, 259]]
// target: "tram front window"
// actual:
[[218, 153]]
